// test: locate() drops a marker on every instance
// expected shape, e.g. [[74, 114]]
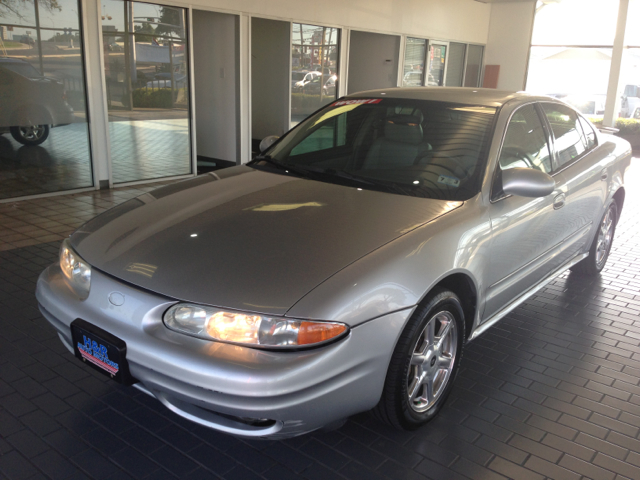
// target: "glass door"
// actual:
[[436, 64], [314, 69], [147, 82], [414, 60], [44, 138]]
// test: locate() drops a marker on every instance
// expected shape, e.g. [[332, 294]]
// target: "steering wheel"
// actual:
[[516, 152]]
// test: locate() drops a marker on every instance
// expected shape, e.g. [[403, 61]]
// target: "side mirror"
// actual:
[[267, 142], [527, 182]]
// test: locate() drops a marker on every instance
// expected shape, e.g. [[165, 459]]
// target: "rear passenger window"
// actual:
[[589, 133], [569, 141], [525, 143]]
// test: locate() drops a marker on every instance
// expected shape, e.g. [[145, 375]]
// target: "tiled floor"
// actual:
[[31, 222], [553, 391]]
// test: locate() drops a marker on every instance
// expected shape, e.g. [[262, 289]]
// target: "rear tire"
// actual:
[[601, 245], [424, 363], [32, 135]]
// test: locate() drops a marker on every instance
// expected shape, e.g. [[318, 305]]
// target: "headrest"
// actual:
[[403, 128]]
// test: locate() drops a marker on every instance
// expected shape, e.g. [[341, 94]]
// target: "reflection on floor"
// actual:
[[60, 163], [142, 150]]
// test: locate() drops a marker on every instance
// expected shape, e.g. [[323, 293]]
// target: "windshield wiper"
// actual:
[[281, 166]]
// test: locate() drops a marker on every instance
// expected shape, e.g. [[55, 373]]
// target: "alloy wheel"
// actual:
[[605, 237], [432, 361], [33, 132]]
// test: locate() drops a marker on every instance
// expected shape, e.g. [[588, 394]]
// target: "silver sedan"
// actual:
[[345, 268]]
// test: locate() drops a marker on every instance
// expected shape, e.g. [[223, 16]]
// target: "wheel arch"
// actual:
[[619, 198], [463, 285], [31, 114]]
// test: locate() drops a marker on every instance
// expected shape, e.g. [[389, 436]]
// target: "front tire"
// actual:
[[601, 245], [424, 363], [31, 135]]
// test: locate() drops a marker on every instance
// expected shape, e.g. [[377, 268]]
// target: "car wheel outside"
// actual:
[[31, 135], [424, 363], [601, 245]]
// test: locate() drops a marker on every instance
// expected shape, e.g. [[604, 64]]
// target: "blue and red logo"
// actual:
[[96, 353]]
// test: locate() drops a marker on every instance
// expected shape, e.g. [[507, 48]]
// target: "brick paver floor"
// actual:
[[553, 391]]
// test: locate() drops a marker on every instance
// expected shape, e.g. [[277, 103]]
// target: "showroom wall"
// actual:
[[465, 20], [270, 50], [508, 42], [214, 74], [373, 61]]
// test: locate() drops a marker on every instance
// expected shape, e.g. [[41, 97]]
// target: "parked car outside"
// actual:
[[298, 85], [412, 79], [345, 268], [313, 87], [30, 103], [163, 80], [630, 104]]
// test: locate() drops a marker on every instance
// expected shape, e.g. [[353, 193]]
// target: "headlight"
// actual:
[[77, 271], [250, 329]]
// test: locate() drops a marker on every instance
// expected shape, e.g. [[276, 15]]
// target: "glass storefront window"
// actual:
[[146, 70], [414, 57], [630, 84], [314, 69], [577, 73], [435, 72], [44, 142], [575, 22], [571, 52]]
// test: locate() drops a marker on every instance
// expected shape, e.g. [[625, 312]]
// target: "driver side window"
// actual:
[[525, 143]]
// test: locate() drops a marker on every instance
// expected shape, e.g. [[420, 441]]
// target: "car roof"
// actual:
[[475, 96]]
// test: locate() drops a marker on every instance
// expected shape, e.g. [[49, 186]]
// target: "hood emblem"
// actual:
[[116, 298]]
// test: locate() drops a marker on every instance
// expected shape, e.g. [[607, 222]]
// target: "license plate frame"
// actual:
[[101, 351]]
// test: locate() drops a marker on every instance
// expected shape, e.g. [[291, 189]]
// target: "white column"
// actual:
[[612, 106], [96, 93], [192, 94], [244, 83], [401, 54]]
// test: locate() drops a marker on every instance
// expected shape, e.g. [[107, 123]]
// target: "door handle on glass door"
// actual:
[[559, 201]]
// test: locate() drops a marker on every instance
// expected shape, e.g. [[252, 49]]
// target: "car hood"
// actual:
[[246, 239]]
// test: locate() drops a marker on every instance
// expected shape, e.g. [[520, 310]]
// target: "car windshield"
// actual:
[[418, 148], [298, 75], [24, 69]]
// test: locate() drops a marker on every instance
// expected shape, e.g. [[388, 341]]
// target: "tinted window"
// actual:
[[567, 132], [417, 148], [525, 143]]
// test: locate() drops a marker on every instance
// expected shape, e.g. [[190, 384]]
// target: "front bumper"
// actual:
[[218, 385]]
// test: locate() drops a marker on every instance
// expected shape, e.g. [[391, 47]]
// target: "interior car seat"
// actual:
[[402, 143]]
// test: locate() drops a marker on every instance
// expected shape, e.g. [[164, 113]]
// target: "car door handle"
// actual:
[[604, 175], [559, 202]]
